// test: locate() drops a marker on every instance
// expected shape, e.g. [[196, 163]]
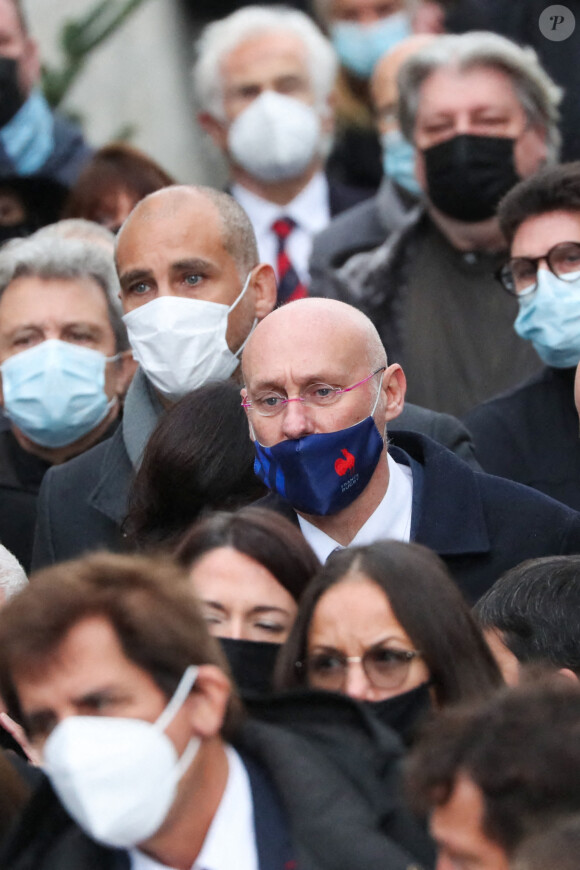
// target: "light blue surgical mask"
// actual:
[[550, 319], [28, 138], [399, 160], [360, 46], [55, 392]]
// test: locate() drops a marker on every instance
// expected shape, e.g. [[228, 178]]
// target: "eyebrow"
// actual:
[[260, 608], [196, 264], [302, 381], [134, 275]]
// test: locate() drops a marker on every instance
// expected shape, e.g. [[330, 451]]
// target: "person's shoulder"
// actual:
[[90, 461]]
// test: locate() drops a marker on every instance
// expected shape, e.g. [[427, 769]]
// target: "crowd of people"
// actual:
[[257, 611]]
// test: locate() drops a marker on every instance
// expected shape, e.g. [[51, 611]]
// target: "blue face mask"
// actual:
[[550, 319], [399, 160], [321, 474], [54, 392], [360, 46]]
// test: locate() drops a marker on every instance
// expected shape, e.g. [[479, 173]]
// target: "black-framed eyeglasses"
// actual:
[[270, 403], [519, 276], [384, 666]]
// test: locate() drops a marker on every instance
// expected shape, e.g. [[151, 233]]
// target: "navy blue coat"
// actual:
[[479, 524]]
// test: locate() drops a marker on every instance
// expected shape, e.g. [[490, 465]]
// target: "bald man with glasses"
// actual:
[[320, 396]]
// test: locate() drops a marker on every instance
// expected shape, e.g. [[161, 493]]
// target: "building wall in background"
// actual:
[[140, 78]]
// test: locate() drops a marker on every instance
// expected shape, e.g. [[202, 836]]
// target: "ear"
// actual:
[[394, 387], [208, 702], [568, 673], [216, 130], [125, 368], [263, 282]]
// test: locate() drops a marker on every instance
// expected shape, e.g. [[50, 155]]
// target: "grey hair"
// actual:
[[219, 38], [85, 231], [12, 575], [539, 96], [52, 257]]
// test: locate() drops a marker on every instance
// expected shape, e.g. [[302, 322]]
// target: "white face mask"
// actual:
[[118, 777], [181, 343], [275, 138]]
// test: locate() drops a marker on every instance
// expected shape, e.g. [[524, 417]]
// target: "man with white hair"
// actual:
[[64, 367], [263, 81], [481, 113]]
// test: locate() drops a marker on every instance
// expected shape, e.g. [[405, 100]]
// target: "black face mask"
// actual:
[[468, 175], [11, 96], [252, 663], [404, 713]]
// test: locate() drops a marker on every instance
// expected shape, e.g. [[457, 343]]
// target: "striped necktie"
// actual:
[[290, 286]]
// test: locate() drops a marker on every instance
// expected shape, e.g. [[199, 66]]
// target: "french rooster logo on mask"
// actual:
[[341, 466]]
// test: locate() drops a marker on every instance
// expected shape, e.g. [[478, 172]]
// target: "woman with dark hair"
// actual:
[[111, 184], [386, 621], [199, 458], [248, 570]]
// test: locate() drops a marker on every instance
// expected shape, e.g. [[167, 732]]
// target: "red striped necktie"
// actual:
[[290, 286]]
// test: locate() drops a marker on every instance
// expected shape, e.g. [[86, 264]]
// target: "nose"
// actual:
[[357, 683], [296, 421]]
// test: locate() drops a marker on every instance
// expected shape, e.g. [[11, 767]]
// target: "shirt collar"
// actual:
[[390, 519], [230, 840], [310, 209]]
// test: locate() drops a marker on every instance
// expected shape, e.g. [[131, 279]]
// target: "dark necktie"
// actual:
[[290, 286]]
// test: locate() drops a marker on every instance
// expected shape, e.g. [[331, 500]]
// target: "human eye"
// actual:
[[567, 258], [138, 288], [387, 658], [269, 401], [325, 663], [23, 340], [270, 626], [192, 280], [321, 394]]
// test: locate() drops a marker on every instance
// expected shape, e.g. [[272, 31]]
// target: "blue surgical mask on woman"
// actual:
[[55, 392], [399, 160], [360, 46], [550, 318]]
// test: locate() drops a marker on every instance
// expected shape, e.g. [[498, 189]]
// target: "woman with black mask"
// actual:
[[386, 625], [248, 570]]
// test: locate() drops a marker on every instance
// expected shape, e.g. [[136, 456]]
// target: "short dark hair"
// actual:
[[147, 601], [261, 534], [426, 602], [198, 458], [556, 188], [536, 609], [521, 748]]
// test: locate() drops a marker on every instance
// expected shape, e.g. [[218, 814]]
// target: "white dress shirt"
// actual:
[[310, 210], [391, 519], [231, 839]]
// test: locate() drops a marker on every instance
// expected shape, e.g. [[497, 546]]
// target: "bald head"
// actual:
[[236, 231], [313, 328], [384, 86]]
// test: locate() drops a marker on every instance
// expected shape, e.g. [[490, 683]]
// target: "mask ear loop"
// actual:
[[378, 394], [177, 701], [231, 308]]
